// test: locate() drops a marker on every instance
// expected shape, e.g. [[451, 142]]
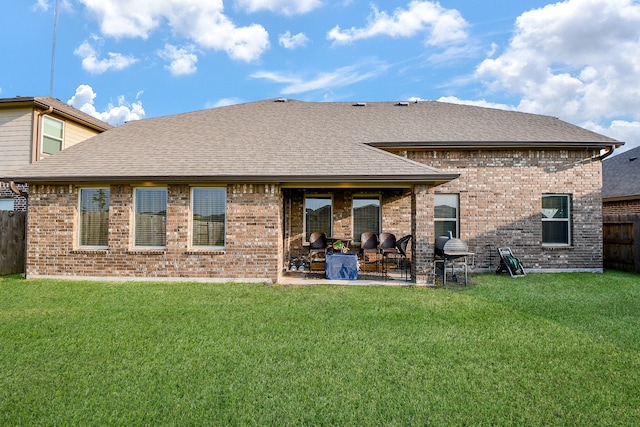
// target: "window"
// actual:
[[94, 217], [317, 215], [7, 205], [366, 215], [446, 215], [150, 217], [52, 135], [208, 207], [556, 223]]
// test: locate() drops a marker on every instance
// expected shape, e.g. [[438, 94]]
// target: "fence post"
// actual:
[[636, 243]]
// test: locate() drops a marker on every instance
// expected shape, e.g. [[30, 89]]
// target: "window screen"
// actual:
[[94, 217], [208, 207], [317, 211], [366, 216], [52, 135], [150, 217], [446, 215], [556, 221]]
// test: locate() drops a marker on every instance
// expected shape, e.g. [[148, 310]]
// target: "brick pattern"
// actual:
[[253, 244], [19, 202], [622, 207], [500, 201]]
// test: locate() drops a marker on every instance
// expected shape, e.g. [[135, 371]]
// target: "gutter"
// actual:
[[609, 152]]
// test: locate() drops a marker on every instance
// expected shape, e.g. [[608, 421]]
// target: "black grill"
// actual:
[[449, 247]]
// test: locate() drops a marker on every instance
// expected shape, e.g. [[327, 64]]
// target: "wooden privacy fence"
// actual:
[[12, 242], [622, 242]]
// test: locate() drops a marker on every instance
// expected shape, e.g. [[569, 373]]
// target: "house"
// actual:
[[621, 183], [233, 193], [32, 128]]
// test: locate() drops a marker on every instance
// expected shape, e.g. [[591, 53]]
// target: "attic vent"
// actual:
[[281, 100], [360, 104], [403, 104], [633, 158]]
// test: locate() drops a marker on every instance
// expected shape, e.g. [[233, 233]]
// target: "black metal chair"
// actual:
[[388, 250], [318, 245], [401, 245], [369, 250]]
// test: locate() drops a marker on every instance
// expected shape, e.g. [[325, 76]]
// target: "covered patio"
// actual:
[[342, 213]]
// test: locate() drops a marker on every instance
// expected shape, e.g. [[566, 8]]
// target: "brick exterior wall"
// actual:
[[19, 202], [622, 207], [501, 200], [253, 237], [500, 205]]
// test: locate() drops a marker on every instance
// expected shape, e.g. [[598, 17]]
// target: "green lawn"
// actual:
[[561, 349]]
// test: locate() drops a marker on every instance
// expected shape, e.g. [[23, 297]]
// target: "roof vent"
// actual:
[[633, 158], [403, 104], [280, 100], [360, 104]]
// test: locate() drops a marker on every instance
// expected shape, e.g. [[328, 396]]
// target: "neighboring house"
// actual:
[[233, 193], [621, 183], [32, 128]]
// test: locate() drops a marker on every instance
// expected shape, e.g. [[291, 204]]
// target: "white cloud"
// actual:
[[622, 130], [285, 7], [115, 115], [202, 22], [476, 103], [289, 41], [577, 59], [92, 64], [340, 77], [41, 5], [223, 102], [443, 26], [182, 60]]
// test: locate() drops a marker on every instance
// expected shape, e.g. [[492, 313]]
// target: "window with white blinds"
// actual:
[[150, 228], [94, 217], [208, 217]]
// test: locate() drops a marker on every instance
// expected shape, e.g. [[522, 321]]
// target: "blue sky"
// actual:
[[120, 60]]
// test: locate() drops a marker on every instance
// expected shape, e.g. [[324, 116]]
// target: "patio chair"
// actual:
[[318, 245], [369, 250], [402, 244], [388, 250]]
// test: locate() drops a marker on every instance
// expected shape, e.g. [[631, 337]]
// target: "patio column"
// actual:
[[422, 229]]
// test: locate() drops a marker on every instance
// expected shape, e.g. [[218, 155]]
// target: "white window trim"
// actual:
[[203, 247], [567, 220], [135, 192], [304, 213], [457, 218], [80, 217], [49, 136]]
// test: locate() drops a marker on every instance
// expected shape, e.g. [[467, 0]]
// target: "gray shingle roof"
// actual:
[[58, 107], [621, 175], [296, 141]]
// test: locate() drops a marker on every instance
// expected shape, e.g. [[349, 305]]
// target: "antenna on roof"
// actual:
[[53, 50]]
